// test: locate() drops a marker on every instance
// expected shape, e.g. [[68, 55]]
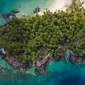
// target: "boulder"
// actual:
[[14, 62], [36, 10], [40, 71], [75, 59]]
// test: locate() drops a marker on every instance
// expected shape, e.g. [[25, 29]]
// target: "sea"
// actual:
[[26, 7], [59, 72]]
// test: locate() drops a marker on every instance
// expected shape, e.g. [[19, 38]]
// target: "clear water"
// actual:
[[59, 73], [25, 7]]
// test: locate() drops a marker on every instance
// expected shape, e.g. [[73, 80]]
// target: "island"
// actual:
[[32, 41]]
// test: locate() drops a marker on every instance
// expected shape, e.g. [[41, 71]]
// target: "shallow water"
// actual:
[[59, 73], [25, 7]]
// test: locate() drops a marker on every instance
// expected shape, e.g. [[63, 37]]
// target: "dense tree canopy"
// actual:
[[22, 37]]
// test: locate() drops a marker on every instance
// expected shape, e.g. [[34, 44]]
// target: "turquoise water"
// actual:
[[59, 73], [25, 7]]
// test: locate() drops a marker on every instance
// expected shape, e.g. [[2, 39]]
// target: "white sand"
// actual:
[[83, 4], [57, 5]]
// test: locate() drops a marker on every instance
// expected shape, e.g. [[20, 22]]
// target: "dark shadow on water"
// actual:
[[73, 79]]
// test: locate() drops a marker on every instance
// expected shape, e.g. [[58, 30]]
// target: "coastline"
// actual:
[[44, 68], [52, 6], [57, 5], [60, 6]]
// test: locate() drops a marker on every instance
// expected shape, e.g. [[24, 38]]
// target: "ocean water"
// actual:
[[59, 73], [25, 7]]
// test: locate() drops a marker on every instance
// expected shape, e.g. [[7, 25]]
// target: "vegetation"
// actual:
[[23, 37]]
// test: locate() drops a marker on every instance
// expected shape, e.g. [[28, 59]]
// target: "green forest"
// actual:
[[23, 37]]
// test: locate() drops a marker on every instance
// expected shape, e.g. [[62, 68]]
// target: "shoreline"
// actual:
[[57, 5], [40, 66], [73, 58], [54, 6]]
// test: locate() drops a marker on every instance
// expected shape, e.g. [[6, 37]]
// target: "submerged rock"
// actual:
[[40, 71], [15, 11], [8, 16], [75, 59], [36, 10]]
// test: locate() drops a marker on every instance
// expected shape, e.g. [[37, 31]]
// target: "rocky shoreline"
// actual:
[[41, 63]]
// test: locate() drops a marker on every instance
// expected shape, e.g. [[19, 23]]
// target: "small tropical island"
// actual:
[[33, 41]]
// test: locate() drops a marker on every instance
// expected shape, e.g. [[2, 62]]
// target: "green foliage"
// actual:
[[22, 37]]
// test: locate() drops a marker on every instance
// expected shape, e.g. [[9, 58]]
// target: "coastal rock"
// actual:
[[14, 62], [41, 65], [8, 16], [43, 61], [1, 68], [80, 60], [36, 10], [75, 59], [40, 71], [15, 11]]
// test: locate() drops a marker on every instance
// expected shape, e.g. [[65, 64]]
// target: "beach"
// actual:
[[27, 7], [57, 5], [52, 6]]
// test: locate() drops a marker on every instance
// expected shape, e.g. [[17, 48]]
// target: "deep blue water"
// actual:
[[59, 73]]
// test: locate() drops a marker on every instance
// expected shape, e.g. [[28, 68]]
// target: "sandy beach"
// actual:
[[57, 5]]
